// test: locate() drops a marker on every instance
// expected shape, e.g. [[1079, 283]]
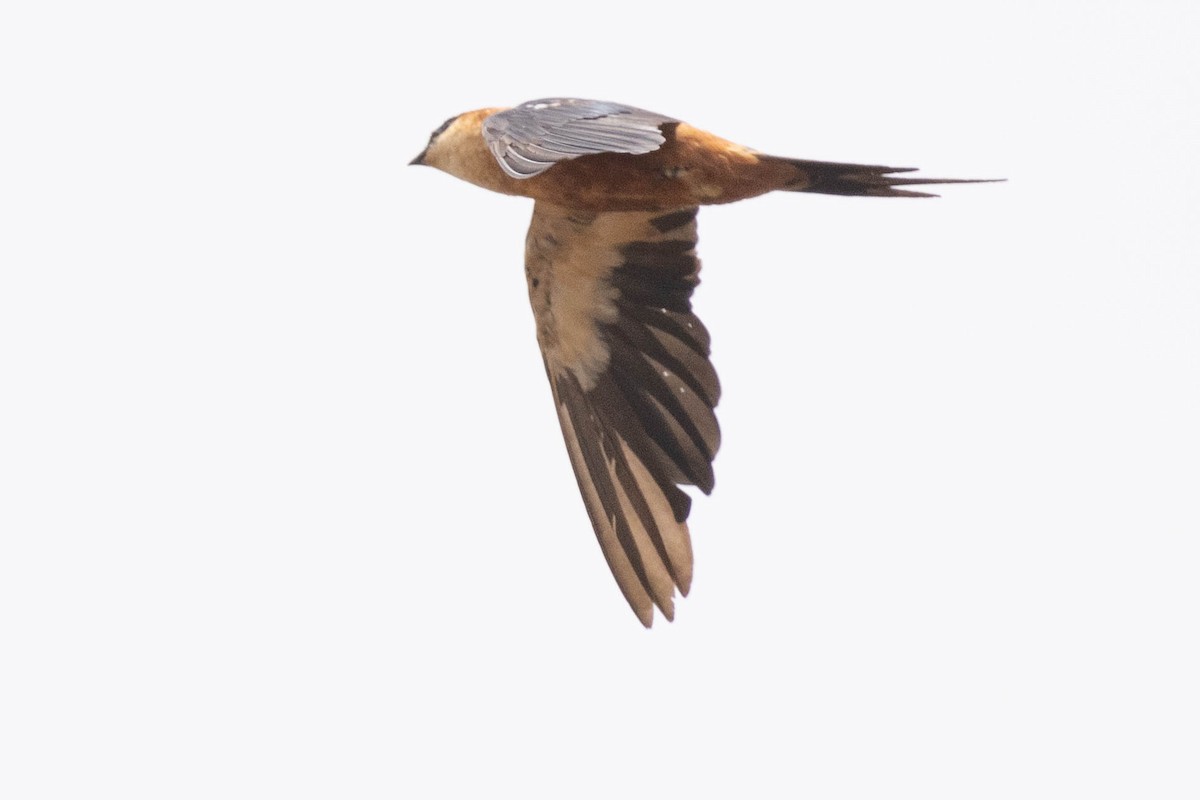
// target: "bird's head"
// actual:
[[457, 146]]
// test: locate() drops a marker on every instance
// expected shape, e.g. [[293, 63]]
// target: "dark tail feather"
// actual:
[[829, 177]]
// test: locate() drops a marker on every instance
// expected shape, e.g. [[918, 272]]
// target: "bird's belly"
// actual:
[[612, 182]]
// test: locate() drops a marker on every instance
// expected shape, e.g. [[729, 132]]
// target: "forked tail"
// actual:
[[829, 177]]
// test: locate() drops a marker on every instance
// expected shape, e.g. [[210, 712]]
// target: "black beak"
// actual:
[[419, 159]]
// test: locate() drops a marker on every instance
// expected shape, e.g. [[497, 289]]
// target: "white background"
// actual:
[[285, 510]]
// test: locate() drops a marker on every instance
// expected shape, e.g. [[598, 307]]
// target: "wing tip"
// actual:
[[645, 612]]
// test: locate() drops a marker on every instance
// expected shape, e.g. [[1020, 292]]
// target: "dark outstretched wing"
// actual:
[[531, 138], [634, 389]]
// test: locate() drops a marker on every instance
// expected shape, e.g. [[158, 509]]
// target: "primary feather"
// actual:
[[534, 136]]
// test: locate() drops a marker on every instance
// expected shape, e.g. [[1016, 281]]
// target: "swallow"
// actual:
[[610, 264]]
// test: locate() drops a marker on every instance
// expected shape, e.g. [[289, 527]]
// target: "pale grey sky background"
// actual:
[[285, 510]]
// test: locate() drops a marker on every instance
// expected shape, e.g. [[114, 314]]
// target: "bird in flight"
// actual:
[[610, 263]]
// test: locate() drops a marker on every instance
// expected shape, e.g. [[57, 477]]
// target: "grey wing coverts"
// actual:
[[534, 136]]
